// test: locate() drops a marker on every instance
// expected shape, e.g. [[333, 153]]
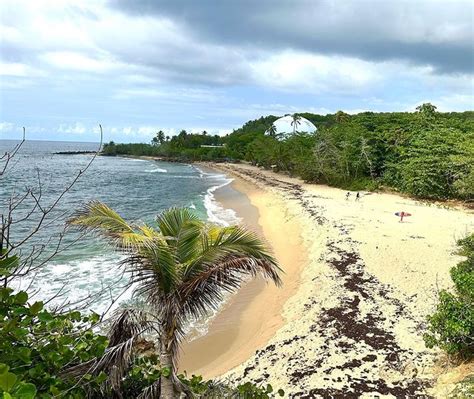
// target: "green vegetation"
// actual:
[[451, 327], [426, 154], [36, 344], [37, 347], [180, 270], [183, 147], [463, 389]]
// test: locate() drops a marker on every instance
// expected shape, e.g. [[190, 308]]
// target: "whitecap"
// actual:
[[185, 176], [216, 213], [137, 160], [156, 170], [100, 276]]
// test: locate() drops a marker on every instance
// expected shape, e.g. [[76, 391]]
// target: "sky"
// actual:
[[138, 66]]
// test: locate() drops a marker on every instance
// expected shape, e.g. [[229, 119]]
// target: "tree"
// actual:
[[427, 109], [341, 117], [161, 136], [451, 327], [158, 139], [181, 268], [296, 120], [272, 130]]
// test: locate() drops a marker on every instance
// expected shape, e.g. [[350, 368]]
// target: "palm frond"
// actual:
[[228, 255], [129, 322], [127, 328], [188, 243], [205, 290], [153, 270], [221, 242], [171, 221], [118, 356], [99, 217]]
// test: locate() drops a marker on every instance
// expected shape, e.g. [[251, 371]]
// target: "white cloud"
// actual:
[[17, 69], [168, 94], [146, 130], [449, 102], [6, 126], [77, 61], [80, 61], [148, 51], [77, 128]]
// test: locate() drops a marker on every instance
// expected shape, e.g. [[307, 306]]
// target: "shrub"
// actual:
[[451, 327], [35, 345]]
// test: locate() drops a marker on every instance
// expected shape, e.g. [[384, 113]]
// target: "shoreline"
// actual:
[[252, 315], [355, 321], [468, 206]]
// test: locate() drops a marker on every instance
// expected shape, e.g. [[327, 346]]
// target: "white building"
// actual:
[[286, 127]]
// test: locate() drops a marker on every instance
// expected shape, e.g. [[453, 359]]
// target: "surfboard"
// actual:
[[404, 214]]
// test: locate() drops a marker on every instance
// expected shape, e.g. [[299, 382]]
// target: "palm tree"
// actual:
[[160, 136], [181, 269], [272, 130], [296, 120]]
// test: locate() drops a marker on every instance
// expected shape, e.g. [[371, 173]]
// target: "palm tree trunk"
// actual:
[[167, 388]]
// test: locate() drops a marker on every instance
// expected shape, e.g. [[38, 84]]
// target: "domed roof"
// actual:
[[285, 127]]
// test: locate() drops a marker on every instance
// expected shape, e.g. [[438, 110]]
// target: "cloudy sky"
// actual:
[[137, 66]]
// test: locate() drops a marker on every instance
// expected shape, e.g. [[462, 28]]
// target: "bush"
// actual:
[[451, 327], [35, 345]]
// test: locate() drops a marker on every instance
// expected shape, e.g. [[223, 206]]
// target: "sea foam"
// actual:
[[216, 213], [156, 170]]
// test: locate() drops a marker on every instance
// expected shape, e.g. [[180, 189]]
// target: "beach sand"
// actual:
[[252, 316], [358, 284]]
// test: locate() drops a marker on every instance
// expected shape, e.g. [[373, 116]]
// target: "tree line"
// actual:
[[426, 154]]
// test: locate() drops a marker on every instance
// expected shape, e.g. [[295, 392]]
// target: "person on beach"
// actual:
[[348, 195], [401, 216], [357, 196]]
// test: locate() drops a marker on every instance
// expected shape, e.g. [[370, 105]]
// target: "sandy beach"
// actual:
[[254, 314], [358, 284]]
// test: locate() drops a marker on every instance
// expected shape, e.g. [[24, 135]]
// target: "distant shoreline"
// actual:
[[451, 203], [74, 152]]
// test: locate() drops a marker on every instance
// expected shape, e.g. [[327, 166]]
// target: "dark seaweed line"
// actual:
[[344, 321]]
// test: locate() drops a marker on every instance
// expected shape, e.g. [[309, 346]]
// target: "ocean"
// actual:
[[137, 189]]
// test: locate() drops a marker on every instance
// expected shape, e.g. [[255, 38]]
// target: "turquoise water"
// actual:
[[137, 189]]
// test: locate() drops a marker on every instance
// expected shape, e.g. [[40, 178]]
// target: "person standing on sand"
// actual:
[[401, 216], [348, 195], [357, 196]]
